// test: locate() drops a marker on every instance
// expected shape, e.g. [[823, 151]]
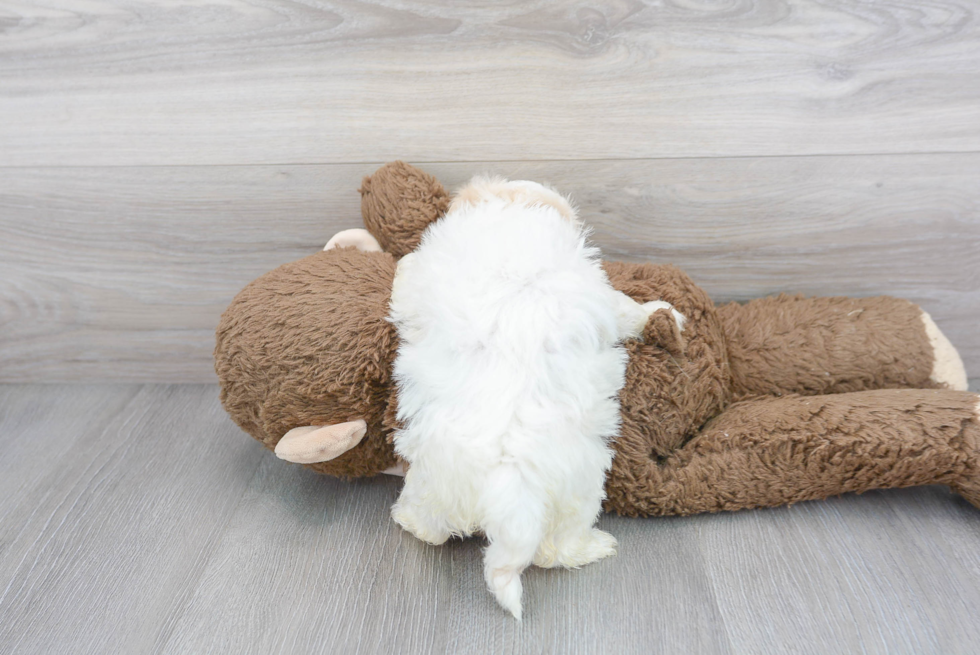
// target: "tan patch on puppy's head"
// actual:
[[522, 192]]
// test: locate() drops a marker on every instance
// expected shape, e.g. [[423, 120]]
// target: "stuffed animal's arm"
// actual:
[[773, 451], [791, 344]]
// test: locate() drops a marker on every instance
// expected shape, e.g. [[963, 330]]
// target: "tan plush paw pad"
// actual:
[[947, 366]]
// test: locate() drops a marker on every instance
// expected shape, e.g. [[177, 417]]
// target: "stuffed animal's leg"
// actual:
[[774, 451], [513, 521], [791, 344]]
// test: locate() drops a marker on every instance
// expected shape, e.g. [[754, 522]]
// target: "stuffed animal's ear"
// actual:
[[357, 237], [398, 202], [310, 444]]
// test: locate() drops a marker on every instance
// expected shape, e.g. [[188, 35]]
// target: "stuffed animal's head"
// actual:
[[308, 346]]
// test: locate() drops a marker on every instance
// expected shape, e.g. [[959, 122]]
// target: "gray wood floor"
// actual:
[[139, 519]]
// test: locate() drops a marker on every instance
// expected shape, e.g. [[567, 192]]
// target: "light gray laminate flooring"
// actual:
[[139, 519]]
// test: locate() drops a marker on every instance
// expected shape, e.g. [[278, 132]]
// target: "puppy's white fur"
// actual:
[[508, 371]]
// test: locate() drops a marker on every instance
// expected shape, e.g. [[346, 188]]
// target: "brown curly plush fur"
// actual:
[[773, 451], [775, 401], [309, 344], [398, 202], [850, 344]]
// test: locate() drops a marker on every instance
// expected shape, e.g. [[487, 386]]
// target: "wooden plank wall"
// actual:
[[154, 158]]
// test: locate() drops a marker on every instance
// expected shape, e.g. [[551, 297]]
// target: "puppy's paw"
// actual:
[[546, 556], [427, 528], [663, 328], [505, 585], [592, 546], [656, 305]]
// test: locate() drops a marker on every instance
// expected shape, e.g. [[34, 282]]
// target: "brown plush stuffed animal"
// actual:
[[775, 401]]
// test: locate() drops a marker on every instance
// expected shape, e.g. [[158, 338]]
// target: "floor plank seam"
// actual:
[[440, 162]]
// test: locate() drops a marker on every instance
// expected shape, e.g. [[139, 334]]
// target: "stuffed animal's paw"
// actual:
[[663, 328]]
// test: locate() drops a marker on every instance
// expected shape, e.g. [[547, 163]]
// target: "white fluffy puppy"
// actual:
[[508, 373]]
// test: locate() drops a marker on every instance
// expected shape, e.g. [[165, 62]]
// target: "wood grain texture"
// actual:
[[125, 82], [138, 519], [848, 575], [121, 273], [330, 572], [113, 499]]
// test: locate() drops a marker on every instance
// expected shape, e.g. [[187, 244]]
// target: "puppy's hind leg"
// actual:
[[414, 512], [514, 524], [574, 541]]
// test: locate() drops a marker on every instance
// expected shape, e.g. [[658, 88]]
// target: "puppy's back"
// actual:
[[508, 342]]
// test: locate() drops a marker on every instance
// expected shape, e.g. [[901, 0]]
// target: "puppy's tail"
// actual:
[[513, 520]]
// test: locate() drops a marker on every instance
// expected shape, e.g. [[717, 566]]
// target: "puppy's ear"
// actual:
[[310, 444], [357, 237]]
